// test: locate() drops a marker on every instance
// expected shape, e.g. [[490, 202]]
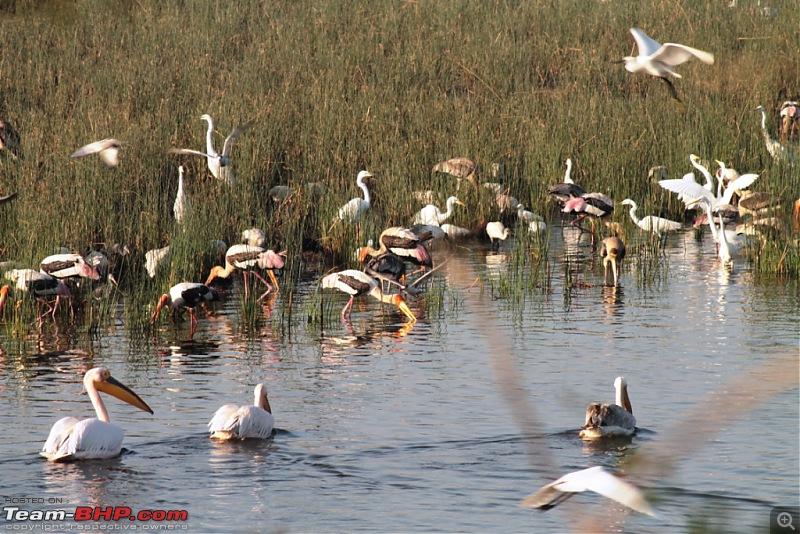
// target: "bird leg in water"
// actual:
[[674, 94]]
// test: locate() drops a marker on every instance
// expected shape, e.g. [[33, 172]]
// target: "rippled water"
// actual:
[[384, 427]]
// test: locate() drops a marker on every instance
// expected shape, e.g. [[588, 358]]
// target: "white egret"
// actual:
[[778, 151], [594, 479], [155, 257], [689, 190], [432, 215], [725, 174], [107, 149], [659, 60], [613, 252], [242, 422], [356, 207], [695, 161], [653, 224], [181, 206], [218, 164], [610, 420], [71, 439], [456, 232]]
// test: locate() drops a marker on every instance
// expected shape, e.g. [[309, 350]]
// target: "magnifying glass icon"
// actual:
[[785, 520]]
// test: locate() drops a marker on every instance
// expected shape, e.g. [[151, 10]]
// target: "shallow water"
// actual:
[[386, 427]]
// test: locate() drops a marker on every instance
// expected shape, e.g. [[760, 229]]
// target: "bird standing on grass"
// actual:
[[659, 60]]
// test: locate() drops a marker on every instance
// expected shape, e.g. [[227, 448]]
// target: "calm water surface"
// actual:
[[381, 427]]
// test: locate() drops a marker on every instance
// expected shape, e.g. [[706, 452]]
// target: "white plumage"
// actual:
[[355, 208], [218, 164], [653, 224], [71, 439], [181, 206], [107, 149], [242, 422], [594, 479], [433, 216]]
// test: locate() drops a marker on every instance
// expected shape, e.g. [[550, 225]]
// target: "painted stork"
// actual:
[[563, 191], [659, 60], [40, 285], [406, 244], [186, 295], [356, 283], [71, 439], [68, 266], [612, 251], [218, 164], [385, 267], [246, 258], [106, 149], [241, 422]]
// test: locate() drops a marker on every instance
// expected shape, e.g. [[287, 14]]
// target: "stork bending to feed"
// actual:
[[246, 258], [187, 295], [95, 438], [356, 283]]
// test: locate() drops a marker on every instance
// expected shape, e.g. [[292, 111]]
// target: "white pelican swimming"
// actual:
[[610, 420], [594, 479], [71, 439], [242, 422]]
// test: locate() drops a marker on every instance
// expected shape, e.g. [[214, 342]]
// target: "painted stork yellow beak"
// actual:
[[3, 296], [116, 389], [161, 303], [398, 301], [214, 273]]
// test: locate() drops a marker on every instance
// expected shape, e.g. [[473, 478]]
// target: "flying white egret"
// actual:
[[594, 479], [653, 224], [356, 207], [659, 60], [728, 242], [218, 164], [610, 420], [107, 149], [181, 206], [612, 251], [689, 190], [695, 161], [242, 422], [71, 439], [433, 216]]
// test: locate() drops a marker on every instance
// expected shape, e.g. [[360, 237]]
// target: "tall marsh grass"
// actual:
[[335, 87]]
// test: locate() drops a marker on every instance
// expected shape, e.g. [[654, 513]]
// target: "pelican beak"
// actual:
[[116, 389], [626, 401], [404, 308], [161, 302]]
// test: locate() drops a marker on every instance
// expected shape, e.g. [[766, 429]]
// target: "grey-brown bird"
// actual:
[[612, 251]]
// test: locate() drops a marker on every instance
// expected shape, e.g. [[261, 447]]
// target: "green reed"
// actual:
[[335, 87]]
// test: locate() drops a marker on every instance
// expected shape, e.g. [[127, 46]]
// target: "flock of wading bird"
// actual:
[[383, 274]]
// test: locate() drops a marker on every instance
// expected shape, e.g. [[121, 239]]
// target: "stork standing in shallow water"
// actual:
[[246, 258], [356, 283], [186, 295]]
